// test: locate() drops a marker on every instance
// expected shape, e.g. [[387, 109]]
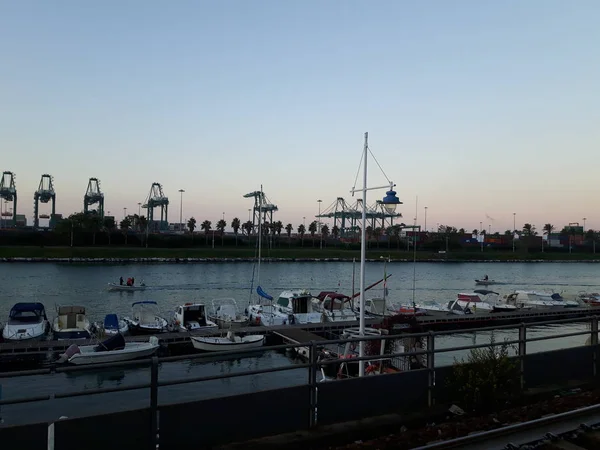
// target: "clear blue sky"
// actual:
[[479, 108]]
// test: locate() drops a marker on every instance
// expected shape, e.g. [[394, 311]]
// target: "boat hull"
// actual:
[[218, 344], [133, 350], [124, 288], [28, 332]]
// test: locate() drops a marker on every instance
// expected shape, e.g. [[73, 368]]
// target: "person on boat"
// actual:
[[132, 280], [129, 281], [121, 281], [485, 278]]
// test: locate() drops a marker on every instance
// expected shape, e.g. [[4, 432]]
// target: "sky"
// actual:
[[475, 110]]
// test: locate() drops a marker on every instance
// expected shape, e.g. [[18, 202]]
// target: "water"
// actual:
[[172, 285]]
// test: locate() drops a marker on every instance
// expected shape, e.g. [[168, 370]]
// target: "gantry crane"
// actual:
[[44, 194], [92, 196], [8, 193], [261, 203], [157, 198]]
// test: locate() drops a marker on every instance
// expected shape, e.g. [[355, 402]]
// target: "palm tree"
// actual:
[[191, 225], [475, 232], [312, 229], [206, 227], [301, 231], [548, 229], [235, 224], [109, 226], [377, 233], [125, 225], [94, 224], [247, 227], [529, 230], [397, 231], [389, 232], [461, 231], [221, 224], [335, 231], [288, 230], [324, 233]]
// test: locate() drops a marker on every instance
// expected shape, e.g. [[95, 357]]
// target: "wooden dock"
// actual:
[[317, 330]]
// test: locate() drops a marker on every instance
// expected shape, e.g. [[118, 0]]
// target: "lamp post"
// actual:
[[390, 201], [320, 230], [249, 218], [514, 230], [139, 209], [425, 220], [584, 219], [481, 235], [181, 191], [124, 213]]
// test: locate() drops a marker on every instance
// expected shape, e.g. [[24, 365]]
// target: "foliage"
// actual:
[[191, 224], [529, 230], [488, 377], [247, 227], [312, 228], [235, 225]]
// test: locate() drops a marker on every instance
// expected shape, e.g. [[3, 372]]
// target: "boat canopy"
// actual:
[[145, 302], [263, 294], [66, 310], [19, 308], [111, 322], [332, 295]]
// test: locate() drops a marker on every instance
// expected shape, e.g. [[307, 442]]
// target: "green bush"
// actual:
[[487, 378]]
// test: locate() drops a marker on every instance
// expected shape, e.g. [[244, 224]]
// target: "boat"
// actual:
[[145, 318], [114, 349], [485, 282], [482, 300], [192, 317], [589, 298], [113, 325], [292, 307], [538, 299], [334, 306], [124, 287], [225, 314], [229, 343], [71, 323], [26, 321]]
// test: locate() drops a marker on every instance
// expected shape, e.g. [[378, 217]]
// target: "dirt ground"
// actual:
[[456, 426]]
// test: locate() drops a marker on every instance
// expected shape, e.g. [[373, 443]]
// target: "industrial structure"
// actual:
[[261, 204], [157, 198], [8, 193], [44, 194], [93, 196], [345, 216]]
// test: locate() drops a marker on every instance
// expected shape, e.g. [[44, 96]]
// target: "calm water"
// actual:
[[172, 285]]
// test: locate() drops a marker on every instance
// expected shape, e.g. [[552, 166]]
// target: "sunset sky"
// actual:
[[479, 108]]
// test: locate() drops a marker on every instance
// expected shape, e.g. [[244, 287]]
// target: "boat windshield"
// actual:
[[25, 316], [300, 305]]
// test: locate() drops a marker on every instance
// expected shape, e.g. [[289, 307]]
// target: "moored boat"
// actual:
[[26, 321], [71, 323], [146, 318], [113, 325], [226, 315], [114, 349], [192, 317], [229, 343]]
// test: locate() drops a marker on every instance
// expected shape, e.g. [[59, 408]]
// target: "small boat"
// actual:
[[485, 282], [145, 319], [590, 298], [225, 314], [124, 287], [26, 321], [113, 325], [71, 323], [229, 343], [113, 349], [192, 317]]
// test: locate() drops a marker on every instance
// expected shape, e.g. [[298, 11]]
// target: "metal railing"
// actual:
[[313, 365]]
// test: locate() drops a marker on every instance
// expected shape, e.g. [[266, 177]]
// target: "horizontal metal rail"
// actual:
[[486, 439]]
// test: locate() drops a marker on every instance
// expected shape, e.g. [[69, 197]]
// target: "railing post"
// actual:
[[594, 344], [431, 368], [522, 353], [312, 383], [154, 402]]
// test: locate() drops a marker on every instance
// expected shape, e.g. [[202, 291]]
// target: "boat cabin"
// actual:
[[27, 313], [70, 317], [191, 316], [295, 302]]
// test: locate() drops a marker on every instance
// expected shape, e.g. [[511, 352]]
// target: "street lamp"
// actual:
[[481, 235], [390, 202], [124, 213], [249, 209], [514, 230], [181, 191], [584, 219], [425, 220], [320, 230], [139, 209]]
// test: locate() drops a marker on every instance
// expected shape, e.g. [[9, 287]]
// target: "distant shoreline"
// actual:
[[198, 255], [80, 260]]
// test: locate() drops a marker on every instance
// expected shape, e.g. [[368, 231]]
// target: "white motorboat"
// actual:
[[537, 299], [589, 298], [292, 307], [145, 319], [26, 321], [113, 325], [226, 314], [192, 317], [113, 349], [126, 288], [483, 300], [430, 305], [71, 323], [334, 306], [484, 282], [229, 343]]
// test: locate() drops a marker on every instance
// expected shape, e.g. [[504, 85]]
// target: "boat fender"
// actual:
[[257, 320]]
